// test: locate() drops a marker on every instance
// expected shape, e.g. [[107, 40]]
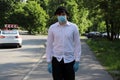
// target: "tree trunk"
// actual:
[[107, 29]]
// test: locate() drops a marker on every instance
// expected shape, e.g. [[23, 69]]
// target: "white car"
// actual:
[[10, 38], [0, 32], [105, 34]]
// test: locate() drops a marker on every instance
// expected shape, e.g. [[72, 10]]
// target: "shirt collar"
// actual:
[[67, 23]]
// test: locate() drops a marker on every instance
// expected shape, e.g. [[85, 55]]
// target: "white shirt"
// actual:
[[63, 42]]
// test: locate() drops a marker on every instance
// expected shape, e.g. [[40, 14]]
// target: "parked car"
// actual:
[[93, 34], [10, 38], [105, 34], [0, 32]]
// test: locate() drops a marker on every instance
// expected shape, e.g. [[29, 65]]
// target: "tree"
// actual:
[[36, 16], [89, 15], [31, 17], [111, 16], [6, 6]]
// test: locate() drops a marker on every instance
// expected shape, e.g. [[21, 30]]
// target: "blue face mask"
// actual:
[[62, 19]]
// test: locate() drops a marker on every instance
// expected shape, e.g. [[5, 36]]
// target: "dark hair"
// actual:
[[61, 9]]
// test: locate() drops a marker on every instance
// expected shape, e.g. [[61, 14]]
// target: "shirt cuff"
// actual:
[[77, 60], [48, 60]]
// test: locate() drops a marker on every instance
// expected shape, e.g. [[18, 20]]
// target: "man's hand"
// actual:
[[76, 66], [50, 67]]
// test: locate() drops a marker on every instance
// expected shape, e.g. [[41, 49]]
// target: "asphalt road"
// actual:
[[16, 63], [90, 68], [28, 63]]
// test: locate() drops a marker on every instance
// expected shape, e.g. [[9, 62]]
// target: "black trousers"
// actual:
[[62, 71]]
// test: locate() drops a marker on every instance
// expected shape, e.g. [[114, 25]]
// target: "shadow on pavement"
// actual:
[[16, 71]]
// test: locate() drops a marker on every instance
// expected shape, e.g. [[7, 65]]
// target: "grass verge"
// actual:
[[108, 53]]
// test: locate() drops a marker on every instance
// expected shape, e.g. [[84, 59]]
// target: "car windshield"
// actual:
[[9, 32]]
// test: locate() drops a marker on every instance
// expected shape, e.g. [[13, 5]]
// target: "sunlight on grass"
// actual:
[[108, 53]]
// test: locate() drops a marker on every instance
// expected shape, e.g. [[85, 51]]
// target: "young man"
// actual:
[[63, 48]]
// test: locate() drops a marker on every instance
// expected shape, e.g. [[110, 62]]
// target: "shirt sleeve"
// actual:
[[77, 43], [49, 46]]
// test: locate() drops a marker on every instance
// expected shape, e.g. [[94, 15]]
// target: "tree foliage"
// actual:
[[37, 15], [5, 7], [30, 16], [107, 12]]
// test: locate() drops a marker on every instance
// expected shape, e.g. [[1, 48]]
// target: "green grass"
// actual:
[[108, 53]]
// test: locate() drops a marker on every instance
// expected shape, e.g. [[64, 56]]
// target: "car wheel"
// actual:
[[19, 46]]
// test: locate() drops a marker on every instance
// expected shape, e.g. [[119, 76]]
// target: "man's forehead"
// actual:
[[61, 13]]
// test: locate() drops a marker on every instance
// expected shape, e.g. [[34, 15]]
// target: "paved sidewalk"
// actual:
[[90, 69]]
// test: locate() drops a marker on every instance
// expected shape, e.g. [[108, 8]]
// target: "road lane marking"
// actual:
[[44, 56], [34, 67]]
